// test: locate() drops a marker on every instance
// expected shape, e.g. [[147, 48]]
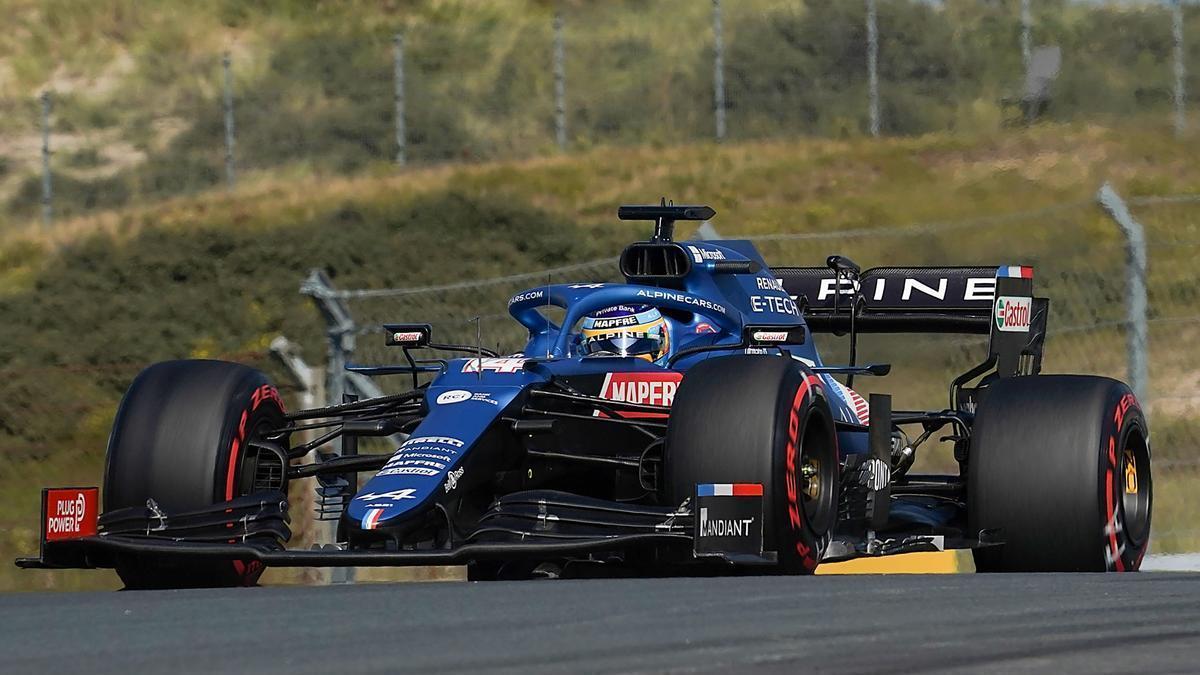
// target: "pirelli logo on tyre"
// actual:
[[1013, 313]]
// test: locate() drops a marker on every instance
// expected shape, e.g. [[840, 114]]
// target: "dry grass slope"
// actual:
[[217, 273]]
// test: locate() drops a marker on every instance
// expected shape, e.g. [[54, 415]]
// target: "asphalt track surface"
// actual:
[[1148, 622]]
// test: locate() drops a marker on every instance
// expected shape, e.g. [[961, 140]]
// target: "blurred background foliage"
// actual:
[[151, 258], [137, 87]]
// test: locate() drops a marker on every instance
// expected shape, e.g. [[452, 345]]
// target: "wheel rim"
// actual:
[[816, 474], [1135, 489]]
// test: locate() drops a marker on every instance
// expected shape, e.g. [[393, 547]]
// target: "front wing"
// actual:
[[724, 527]]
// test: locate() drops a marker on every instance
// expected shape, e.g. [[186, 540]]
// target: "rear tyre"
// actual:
[[1060, 465], [179, 438], [760, 419]]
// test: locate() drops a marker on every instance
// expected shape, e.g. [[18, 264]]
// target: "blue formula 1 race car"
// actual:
[[681, 422]]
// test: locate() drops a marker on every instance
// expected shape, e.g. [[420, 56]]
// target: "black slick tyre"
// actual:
[[760, 419], [179, 438], [1059, 466]]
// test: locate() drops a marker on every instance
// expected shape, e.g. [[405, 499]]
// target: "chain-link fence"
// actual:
[[505, 79], [1081, 263]]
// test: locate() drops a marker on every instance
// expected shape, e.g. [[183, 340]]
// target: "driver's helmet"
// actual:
[[626, 330]]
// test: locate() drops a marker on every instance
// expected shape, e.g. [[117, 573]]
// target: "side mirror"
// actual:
[[843, 265]]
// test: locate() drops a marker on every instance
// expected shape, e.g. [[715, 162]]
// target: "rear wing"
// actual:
[[995, 301]]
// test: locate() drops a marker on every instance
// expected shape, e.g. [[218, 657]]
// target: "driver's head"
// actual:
[[627, 330]]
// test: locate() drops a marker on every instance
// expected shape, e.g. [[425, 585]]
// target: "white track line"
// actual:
[[1172, 562]]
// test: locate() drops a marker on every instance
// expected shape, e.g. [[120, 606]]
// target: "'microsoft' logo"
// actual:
[[1013, 314]]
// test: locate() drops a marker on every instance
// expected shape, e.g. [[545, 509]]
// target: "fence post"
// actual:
[[718, 70], [560, 81], [1027, 57], [398, 72], [873, 67], [1026, 36], [1180, 67], [47, 185], [230, 177], [340, 329], [1135, 269]]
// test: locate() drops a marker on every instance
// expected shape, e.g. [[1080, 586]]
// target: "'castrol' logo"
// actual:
[[1013, 314]]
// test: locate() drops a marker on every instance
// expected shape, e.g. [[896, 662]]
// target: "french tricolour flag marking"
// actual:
[[370, 520], [1015, 272], [729, 490]]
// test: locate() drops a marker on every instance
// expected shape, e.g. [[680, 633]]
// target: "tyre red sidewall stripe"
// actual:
[[1113, 517], [248, 571], [793, 499], [233, 455], [264, 393], [1111, 522]]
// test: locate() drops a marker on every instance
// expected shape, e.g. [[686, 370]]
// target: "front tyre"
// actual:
[[1060, 466], [760, 419], [180, 438]]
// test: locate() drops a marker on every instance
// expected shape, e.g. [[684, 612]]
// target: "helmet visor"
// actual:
[[626, 343]]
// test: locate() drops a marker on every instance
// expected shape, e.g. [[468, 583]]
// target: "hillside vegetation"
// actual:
[[219, 273], [90, 302], [137, 86]]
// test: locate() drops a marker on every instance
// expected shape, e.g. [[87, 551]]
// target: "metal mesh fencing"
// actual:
[[461, 313], [1173, 401], [1079, 257]]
